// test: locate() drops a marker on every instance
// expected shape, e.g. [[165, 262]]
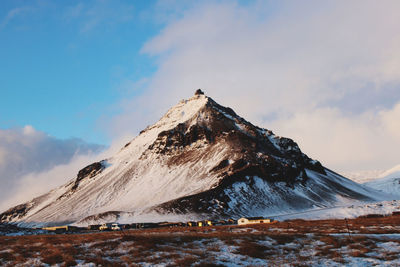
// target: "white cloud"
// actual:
[[347, 142], [391, 121], [34, 184], [324, 73], [28, 155]]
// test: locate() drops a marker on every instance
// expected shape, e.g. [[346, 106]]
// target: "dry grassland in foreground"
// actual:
[[356, 242]]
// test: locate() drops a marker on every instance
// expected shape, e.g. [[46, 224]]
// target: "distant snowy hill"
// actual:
[[387, 182], [391, 173], [367, 176], [346, 211], [200, 160], [363, 176], [384, 181]]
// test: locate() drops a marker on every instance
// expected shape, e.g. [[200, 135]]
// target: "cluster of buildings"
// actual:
[[116, 226]]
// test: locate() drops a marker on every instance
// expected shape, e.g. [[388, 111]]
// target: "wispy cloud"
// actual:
[[13, 14], [91, 15], [75, 11]]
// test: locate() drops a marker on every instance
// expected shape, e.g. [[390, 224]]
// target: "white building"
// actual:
[[253, 220]]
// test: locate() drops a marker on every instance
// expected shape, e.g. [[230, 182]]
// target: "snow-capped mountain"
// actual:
[[199, 160]]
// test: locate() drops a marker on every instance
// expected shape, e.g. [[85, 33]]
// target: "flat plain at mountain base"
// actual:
[[355, 242]]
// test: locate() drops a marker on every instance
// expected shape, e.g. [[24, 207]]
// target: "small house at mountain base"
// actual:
[[254, 220]]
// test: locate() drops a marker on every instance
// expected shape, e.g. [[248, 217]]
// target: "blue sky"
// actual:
[[64, 64], [76, 74]]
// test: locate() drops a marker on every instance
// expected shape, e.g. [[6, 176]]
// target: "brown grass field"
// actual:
[[355, 242]]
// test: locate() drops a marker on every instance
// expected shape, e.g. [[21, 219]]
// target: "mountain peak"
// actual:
[[199, 92], [182, 111]]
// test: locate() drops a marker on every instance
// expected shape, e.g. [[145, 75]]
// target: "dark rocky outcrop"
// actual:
[[199, 92], [15, 212], [88, 172], [253, 151]]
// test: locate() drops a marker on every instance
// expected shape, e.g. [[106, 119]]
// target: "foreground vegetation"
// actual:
[[360, 242]]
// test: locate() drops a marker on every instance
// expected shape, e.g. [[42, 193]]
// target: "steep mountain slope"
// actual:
[[200, 159]]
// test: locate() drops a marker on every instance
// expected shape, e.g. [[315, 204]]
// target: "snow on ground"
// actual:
[[246, 250], [366, 242]]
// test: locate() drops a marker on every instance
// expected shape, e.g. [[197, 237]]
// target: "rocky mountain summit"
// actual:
[[199, 160]]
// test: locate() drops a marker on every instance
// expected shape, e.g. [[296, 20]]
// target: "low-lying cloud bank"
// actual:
[[32, 162]]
